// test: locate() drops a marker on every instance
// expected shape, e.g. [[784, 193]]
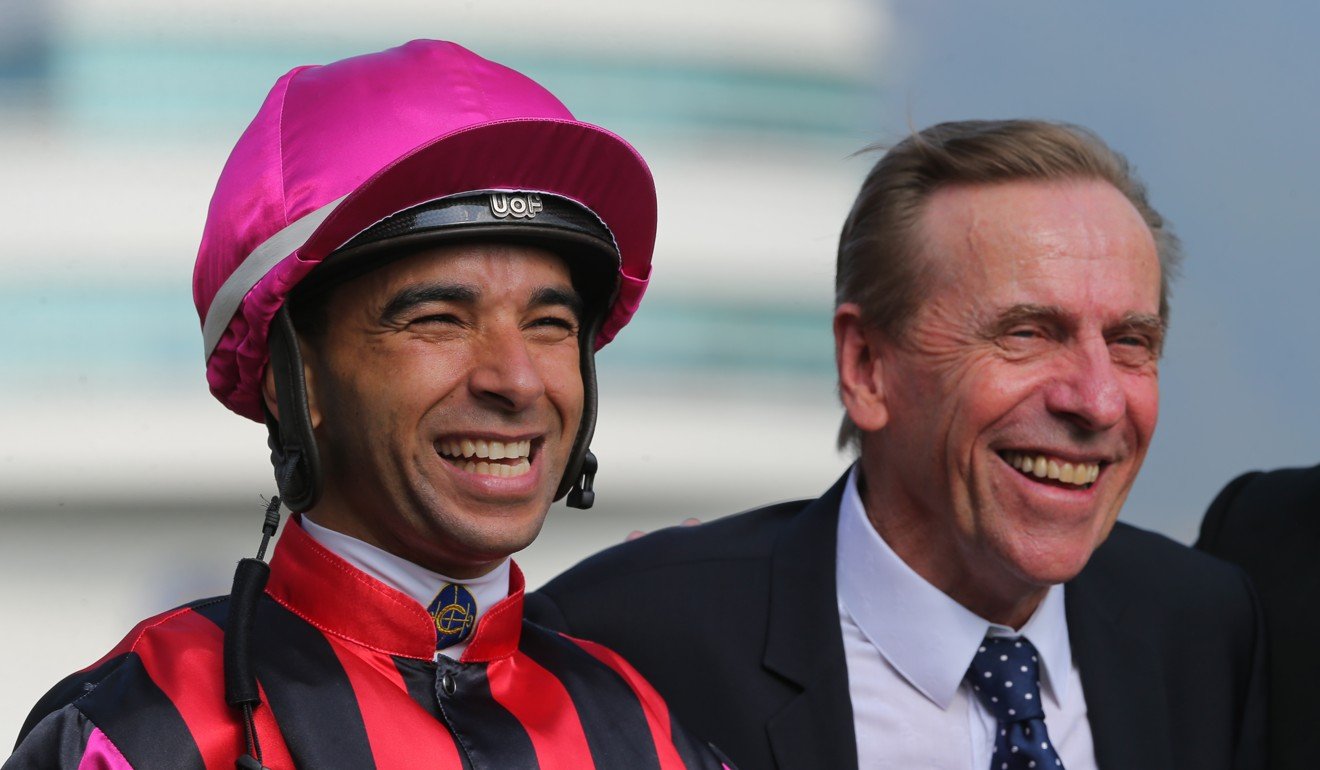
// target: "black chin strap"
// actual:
[[292, 444], [581, 495], [580, 475]]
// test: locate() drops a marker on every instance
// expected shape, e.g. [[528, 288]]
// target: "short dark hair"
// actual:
[[877, 267]]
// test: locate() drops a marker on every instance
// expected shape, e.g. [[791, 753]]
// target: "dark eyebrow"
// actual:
[[412, 296], [550, 296]]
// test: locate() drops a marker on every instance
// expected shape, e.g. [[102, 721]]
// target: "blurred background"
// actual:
[[125, 489]]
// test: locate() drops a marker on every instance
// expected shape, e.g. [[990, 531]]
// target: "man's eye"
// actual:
[[1024, 339], [1132, 349], [1140, 341], [436, 318], [556, 322], [1020, 335], [552, 328]]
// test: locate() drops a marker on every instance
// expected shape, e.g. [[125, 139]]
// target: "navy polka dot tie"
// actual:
[[1005, 676]]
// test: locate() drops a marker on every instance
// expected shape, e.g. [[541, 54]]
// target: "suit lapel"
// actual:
[[804, 643], [1122, 677]]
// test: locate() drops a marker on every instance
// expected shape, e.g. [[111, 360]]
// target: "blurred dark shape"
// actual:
[[26, 52]]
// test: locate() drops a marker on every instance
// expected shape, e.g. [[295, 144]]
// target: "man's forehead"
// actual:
[[1034, 219], [1042, 242], [482, 268]]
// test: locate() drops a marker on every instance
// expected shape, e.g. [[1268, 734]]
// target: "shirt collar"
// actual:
[[418, 582], [376, 601], [924, 634]]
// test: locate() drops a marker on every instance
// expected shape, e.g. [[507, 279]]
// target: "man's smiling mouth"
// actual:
[[488, 457], [1046, 468]]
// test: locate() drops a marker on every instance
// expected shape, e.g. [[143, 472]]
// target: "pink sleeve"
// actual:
[[101, 754]]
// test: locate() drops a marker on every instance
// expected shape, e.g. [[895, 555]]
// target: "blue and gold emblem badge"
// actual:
[[454, 611]]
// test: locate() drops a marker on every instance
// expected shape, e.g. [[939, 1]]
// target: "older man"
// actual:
[[410, 259], [962, 598]]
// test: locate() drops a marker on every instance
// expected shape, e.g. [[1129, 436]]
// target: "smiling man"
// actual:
[[408, 264], [453, 377], [963, 597]]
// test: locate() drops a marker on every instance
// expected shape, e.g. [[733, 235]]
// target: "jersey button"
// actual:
[[447, 683]]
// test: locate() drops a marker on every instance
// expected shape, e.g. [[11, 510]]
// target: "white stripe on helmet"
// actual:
[[253, 268]]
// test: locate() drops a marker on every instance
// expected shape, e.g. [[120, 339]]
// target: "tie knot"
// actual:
[[1005, 675]]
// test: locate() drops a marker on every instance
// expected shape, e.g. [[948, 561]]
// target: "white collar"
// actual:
[[924, 634], [413, 580]]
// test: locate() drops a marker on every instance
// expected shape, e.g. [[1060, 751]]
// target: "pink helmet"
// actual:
[[337, 148], [344, 152]]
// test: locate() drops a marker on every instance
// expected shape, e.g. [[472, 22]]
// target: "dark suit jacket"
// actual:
[[1270, 524], [736, 623]]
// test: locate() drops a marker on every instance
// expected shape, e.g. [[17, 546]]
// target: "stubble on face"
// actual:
[[422, 361]]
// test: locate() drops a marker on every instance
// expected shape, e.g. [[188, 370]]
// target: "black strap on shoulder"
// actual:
[[241, 690], [240, 681]]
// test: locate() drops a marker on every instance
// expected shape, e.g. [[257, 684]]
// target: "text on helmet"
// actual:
[[520, 205]]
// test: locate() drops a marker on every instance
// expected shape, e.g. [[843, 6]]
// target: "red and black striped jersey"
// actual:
[[344, 665]]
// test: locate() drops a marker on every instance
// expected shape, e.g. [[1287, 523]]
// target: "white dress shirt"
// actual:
[[908, 646], [415, 581]]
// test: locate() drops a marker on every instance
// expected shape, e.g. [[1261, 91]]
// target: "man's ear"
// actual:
[[307, 353], [857, 353]]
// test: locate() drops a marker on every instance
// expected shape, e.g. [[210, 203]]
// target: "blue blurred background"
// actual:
[[124, 488]]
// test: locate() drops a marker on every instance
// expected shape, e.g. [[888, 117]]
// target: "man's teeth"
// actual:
[[498, 469], [488, 450], [481, 449], [1043, 467]]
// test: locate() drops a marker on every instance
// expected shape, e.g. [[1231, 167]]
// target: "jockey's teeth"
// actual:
[[1044, 467], [498, 469], [486, 449]]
